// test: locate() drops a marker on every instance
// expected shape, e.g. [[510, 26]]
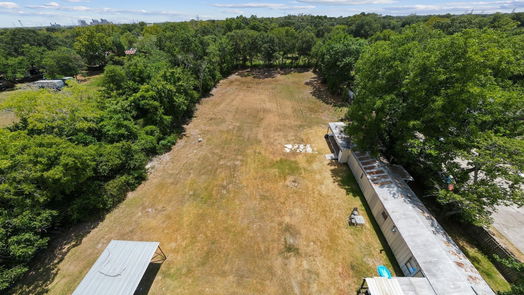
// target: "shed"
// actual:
[[120, 268]]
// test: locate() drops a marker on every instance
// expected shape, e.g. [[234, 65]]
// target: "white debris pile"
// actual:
[[330, 157], [298, 148]]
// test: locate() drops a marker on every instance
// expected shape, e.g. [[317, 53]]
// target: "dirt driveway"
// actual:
[[234, 213]]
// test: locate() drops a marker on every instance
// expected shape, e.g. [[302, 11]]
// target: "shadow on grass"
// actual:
[[343, 176], [268, 73], [44, 267], [147, 280], [319, 90]]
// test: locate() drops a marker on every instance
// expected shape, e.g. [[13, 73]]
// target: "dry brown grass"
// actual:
[[237, 215], [6, 117]]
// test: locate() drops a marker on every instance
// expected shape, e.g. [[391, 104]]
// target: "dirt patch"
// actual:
[[234, 213]]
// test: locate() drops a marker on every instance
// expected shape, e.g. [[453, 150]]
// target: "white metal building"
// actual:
[[420, 245], [120, 268], [339, 141], [49, 84]]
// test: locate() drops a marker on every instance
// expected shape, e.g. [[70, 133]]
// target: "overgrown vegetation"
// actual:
[[440, 94], [449, 107], [518, 287]]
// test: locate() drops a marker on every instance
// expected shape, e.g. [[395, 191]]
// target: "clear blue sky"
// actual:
[[68, 12]]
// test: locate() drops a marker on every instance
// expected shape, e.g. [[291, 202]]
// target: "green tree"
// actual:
[[62, 62], [34, 55], [336, 57], [243, 43], [365, 25], [94, 44], [446, 106], [14, 68], [305, 42], [268, 47], [286, 38]]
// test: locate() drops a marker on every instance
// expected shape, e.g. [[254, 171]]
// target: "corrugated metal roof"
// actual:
[[444, 265], [383, 286], [119, 269]]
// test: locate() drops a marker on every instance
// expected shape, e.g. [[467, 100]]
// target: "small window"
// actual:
[[410, 267], [385, 215]]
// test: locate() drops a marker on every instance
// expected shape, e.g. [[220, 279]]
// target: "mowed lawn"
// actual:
[[234, 213]]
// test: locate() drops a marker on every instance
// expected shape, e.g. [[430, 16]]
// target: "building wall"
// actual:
[[394, 238], [343, 155]]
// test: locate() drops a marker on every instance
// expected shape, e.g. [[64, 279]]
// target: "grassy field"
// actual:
[[234, 213], [7, 117]]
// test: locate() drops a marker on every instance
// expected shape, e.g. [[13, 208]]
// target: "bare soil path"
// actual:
[[234, 213]]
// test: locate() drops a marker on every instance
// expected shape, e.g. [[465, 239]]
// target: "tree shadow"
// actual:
[[319, 90], [44, 267], [147, 280], [268, 73], [345, 179]]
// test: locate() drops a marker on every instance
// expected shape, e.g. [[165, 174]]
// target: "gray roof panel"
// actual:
[[119, 269]]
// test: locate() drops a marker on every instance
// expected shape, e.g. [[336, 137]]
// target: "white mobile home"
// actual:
[[50, 84], [338, 141], [420, 245]]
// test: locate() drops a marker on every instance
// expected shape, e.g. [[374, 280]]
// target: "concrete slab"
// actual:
[[509, 221]]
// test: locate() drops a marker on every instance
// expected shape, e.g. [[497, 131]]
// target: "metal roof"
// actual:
[[415, 286], [119, 269], [342, 139], [444, 265], [383, 286], [399, 286]]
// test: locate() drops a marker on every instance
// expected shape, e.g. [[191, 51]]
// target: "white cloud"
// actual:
[[108, 10], [9, 5], [264, 5], [458, 7], [49, 5], [104, 11], [78, 8], [233, 11], [347, 2], [77, 1]]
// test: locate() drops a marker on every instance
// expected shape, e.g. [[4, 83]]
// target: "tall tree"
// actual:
[[62, 62], [449, 107], [336, 57], [94, 44]]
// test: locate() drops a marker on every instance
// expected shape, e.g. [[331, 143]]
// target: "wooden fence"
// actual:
[[491, 246]]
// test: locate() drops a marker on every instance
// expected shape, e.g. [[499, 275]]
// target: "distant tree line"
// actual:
[[431, 91]]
